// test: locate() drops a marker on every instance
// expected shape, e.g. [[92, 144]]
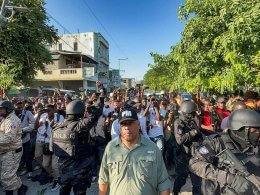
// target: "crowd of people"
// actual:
[[177, 125]]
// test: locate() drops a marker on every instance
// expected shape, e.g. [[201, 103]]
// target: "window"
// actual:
[[75, 46], [60, 46]]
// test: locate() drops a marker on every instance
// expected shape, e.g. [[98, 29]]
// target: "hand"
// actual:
[[194, 132], [241, 185]]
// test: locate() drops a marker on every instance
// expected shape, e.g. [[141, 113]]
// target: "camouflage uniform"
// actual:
[[10, 151]]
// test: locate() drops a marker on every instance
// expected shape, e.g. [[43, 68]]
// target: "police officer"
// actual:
[[10, 149], [71, 142], [188, 136], [228, 161]]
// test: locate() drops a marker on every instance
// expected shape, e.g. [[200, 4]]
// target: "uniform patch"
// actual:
[[13, 126], [203, 150], [150, 152]]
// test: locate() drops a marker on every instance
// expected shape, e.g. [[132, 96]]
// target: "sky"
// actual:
[[133, 28]]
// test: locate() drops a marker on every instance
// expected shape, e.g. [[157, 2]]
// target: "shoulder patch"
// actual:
[[203, 150], [179, 131]]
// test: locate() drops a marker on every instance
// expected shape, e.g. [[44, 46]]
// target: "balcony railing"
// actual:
[[61, 74], [65, 74]]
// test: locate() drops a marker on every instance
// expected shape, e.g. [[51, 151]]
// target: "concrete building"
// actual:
[[79, 60], [69, 70], [114, 78], [92, 44], [127, 83]]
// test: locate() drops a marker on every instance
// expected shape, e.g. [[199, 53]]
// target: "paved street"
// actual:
[[35, 188]]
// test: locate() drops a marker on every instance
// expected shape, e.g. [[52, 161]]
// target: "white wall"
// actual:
[[85, 43]]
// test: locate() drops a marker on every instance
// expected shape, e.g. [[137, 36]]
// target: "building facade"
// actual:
[[115, 79], [68, 70], [92, 44], [127, 83], [79, 60]]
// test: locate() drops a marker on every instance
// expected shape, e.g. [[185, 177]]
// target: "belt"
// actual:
[[19, 150], [16, 151]]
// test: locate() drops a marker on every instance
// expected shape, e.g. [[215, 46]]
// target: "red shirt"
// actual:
[[205, 118], [223, 112]]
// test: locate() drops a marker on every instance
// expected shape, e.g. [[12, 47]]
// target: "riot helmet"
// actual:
[[188, 109], [244, 125], [75, 107]]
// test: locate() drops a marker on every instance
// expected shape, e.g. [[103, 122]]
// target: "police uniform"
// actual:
[[138, 171], [70, 141], [229, 163], [187, 139], [10, 151], [215, 173]]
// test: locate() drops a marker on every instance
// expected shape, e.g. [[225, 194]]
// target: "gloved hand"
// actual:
[[194, 132], [241, 185]]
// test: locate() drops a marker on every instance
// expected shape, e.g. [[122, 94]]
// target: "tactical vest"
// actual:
[[68, 143], [250, 159], [189, 147]]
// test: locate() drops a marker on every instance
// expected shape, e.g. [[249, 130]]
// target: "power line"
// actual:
[[67, 43], [64, 28], [92, 12]]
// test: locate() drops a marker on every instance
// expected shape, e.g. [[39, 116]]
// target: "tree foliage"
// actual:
[[6, 76], [219, 47], [23, 41]]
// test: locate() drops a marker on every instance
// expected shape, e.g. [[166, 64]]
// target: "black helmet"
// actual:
[[243, 118], [75, 107], [6, 104], [187, 107]]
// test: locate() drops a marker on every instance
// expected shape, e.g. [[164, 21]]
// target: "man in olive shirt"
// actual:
[[132, 164]]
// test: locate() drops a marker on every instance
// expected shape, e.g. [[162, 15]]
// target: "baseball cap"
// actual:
[[127, 115]]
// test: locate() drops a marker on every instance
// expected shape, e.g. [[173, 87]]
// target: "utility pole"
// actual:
[[14, 9], [2, 13], [119, 60]]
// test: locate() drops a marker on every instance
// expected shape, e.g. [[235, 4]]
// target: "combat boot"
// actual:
[[22, 190], [9, 192]]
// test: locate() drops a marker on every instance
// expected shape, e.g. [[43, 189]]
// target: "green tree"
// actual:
[[23, 41], [6, 76], [220, 45]]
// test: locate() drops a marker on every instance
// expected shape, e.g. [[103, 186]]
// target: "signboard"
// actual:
[[89, 71]]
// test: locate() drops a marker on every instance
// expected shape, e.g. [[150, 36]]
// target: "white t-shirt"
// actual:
[[157, 125], [46, 128]]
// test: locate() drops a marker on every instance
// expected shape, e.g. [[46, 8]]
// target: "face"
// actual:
[[171, 113], [19, 107], [50, 111], [3, 112], [129, 130], [38, 108], [54, 99], [144, 103], [222, 105], [254, 136], [117, 105], [206, 106], [190, 116], [49, 100]]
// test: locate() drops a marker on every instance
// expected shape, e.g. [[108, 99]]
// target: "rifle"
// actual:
[[237, 167]]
